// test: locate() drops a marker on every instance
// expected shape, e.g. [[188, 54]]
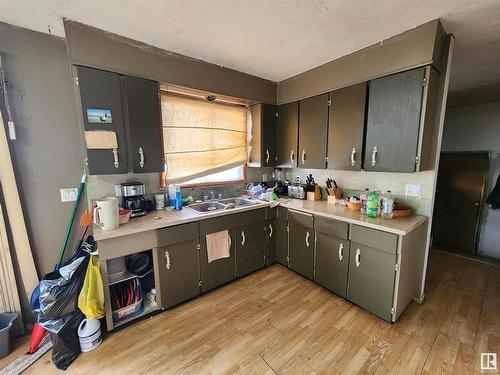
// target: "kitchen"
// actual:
[[180, 142]]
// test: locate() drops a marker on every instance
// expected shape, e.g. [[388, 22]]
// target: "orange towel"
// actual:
[[218, 245]]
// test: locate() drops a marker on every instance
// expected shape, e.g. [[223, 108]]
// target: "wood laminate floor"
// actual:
[[276, 322]]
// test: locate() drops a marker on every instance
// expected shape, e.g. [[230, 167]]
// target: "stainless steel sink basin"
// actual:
[[206, 207], [238, 201], [228, 203]]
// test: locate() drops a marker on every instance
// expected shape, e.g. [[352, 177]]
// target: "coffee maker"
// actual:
[[133, 198]]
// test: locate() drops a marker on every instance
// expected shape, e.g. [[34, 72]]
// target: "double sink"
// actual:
[[222, 204]]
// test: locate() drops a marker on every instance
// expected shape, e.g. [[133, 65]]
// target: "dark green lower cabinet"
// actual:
[[179, 274], [331, 264], [270, 242], [371, 279], [220, 271], [301, 246], [250, 248], [282, 242]]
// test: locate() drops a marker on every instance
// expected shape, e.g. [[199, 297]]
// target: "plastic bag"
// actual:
[[66, 345], [91, 298]]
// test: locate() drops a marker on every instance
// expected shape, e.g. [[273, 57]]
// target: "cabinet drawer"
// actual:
[[375, 238], [176, 234], [301, 218], [333, 228], [231, 221]]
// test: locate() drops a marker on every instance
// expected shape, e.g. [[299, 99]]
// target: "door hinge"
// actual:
[[77, 81], [416, 159], [287, 228], [199, 283], [276, 114], [329, 103], [424, 82], [198, 247], [397, 267], [393, 311], [287, 259]]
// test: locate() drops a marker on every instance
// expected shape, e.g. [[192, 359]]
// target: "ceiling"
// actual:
[[281, 38]]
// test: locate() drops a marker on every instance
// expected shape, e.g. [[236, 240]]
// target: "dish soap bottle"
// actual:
[[178, 198], [372, 204]]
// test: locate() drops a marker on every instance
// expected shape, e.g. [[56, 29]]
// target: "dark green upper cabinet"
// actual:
[[346, 127], [263, 151], [313, 125], [143, 119], [288, 131], [393, 122], [101, 101]]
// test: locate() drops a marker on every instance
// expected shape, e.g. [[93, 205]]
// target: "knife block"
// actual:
[[314, 195]]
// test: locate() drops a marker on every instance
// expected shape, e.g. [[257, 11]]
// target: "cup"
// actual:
[[106, 213], [160, 201]]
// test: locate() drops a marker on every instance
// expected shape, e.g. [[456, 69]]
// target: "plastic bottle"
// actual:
[[372, 204], [178, 198], [387, 205], [171, 195], [364, 198]]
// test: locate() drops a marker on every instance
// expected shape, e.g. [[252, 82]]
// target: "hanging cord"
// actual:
[[3, 87]]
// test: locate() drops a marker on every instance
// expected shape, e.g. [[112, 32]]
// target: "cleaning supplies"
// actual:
[[171, 195], [89, 334], [178, 198]]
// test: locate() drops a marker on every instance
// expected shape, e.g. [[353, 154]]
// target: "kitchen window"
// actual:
[[205, 142]]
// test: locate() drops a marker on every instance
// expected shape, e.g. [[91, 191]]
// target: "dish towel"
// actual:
[[218, 245]]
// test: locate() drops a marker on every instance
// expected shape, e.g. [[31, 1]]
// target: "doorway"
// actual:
[[460, 194]]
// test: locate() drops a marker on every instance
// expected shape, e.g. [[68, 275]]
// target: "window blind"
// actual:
[[201, 137]]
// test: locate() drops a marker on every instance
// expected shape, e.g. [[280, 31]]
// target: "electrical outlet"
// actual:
[[264, 177], [68, 194], [413, 190]]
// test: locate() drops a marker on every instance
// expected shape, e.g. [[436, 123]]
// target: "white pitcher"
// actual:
[[106, 213]]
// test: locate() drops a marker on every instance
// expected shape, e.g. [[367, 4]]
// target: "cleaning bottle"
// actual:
[[178, 198], [171, 195], [372, 204]]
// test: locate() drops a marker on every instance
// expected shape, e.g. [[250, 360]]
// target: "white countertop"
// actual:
[[161, 218]]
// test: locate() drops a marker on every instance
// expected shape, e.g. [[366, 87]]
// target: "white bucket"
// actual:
[[89, 334]]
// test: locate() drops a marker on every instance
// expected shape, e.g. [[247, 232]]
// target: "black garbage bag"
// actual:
[[59, 290], [66, 346]]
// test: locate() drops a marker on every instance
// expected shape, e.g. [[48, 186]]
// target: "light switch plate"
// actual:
[[413, 190], [68, 194], [118, 190]]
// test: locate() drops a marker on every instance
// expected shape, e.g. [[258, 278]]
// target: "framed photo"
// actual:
[[99, 116]]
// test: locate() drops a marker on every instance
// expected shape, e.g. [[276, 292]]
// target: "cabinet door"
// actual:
[[101, 98], [179, 272], [282, 242], [331, 264], [250, 247], [220, 271], [270, 242], [301, 248], [346, 126], [393, 122], [371, 279], [288, 130], [268, 131], [143, 117], [313, 125]]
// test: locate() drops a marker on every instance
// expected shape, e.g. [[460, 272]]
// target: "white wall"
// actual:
[[475, 128]]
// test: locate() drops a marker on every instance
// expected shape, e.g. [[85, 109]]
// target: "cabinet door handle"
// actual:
[[358, 257], [374, 156], [303, 156], [141, 157], [341, 251], [242, 238], [307, 239], [270, 230], [292, 156], [115, 157], [167, 259], [353, 156], [267, 156]]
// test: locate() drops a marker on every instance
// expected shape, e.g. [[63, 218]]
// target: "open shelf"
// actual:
[[127, 275], [148, 309]]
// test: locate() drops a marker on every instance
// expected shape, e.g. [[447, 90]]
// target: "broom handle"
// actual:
[[70, 222]]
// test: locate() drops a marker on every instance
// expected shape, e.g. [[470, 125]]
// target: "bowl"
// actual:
[[354, 206], [124, 216], [402, 210]]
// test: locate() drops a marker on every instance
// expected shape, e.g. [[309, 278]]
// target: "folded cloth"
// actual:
[[218, 245], [494, 197]]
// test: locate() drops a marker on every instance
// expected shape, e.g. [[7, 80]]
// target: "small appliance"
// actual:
[[297, 190], [133, 198]]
